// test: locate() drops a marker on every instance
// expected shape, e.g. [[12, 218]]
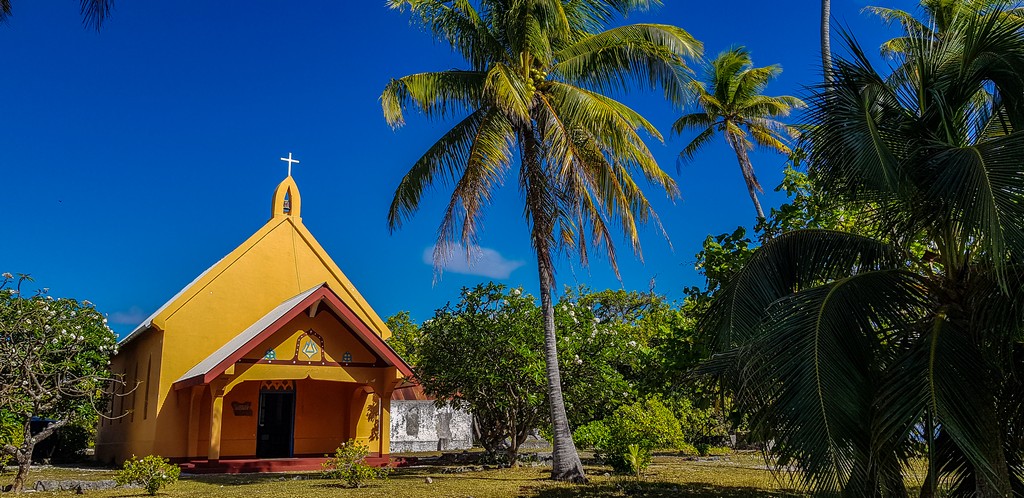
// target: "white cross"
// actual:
[[289, 160]]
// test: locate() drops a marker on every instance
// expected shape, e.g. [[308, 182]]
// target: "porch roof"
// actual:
[[218, 362]]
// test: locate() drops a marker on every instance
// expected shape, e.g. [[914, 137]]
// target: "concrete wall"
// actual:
[[420, 426]]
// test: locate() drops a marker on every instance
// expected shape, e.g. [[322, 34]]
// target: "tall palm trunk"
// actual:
[[565, 460], [748, 173], [565, 464], [826, 40]]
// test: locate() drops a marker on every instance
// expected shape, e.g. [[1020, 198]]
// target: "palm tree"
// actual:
[[850, 351], [94, 12], [730, 102], [535, 89], [939, 15]]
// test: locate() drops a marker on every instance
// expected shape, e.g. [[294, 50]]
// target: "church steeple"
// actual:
[[286, 196]]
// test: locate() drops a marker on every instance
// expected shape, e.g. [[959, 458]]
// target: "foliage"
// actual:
[[851, 350], [11, 433], [484, 354], [348, 464], [730, 101], [405, 334], [151, 472], [54, 357], [592, 435], [535, 90], [67, 444], [648, 424], [940, 17]]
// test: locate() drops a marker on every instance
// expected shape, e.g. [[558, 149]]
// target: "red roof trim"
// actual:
[[356, 324]]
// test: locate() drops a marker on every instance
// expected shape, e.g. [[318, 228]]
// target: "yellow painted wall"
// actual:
[[129, 427]]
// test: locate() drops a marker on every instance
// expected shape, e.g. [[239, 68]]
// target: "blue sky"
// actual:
[[134, 158]]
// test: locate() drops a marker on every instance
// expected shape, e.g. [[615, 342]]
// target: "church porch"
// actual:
[[289, 390]]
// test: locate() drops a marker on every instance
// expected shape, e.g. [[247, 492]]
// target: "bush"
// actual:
[[349, 465], [719, 451], [594, 435], [649, 425], [151, 472], [66, 445]]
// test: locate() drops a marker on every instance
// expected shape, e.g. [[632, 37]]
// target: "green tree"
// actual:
[[483, 355], [94, 12], [54, 356], [405, 336], [850, 350], [730, 102], [535, 89]]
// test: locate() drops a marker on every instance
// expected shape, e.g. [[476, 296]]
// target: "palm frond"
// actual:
[[437, 95], [819, 343], [616, 59], [443, 162], [94, 12]]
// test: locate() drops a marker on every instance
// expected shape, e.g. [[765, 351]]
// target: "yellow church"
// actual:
[[268, 357]]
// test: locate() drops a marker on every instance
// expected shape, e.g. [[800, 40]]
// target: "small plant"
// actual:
[[637, 459], [349, 465], [152, 473]]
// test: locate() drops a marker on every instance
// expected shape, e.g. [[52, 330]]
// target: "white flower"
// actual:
[[632, 344], [516, 292], [8, 275]]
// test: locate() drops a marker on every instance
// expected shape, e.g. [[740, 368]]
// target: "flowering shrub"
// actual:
[[54, 365], [349, 465], [151, 472]]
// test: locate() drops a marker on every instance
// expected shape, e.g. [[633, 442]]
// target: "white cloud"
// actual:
[[133, 316], [482, 261]]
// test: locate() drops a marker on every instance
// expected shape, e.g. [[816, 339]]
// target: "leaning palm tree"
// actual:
[[535, 90], [730, 102], [94, 12], [852, 352]]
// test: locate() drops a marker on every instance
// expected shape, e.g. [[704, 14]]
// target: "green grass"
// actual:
[[736, 476]]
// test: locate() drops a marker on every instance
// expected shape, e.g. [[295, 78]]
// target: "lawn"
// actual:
[[735, 476]]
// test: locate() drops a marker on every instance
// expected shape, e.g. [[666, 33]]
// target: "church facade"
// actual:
[[270, 353]]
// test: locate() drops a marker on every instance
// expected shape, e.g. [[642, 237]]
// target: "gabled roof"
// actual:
[[218, 362], [282, 218]]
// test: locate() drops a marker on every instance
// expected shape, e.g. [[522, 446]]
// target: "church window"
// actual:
[[347, 357], [270, 355], [145, 398], [135, 390]]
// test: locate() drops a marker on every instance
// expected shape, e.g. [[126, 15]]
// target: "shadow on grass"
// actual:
[[649, 489]]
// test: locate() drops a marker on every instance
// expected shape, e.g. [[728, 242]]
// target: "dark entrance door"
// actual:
[[276, 424]]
